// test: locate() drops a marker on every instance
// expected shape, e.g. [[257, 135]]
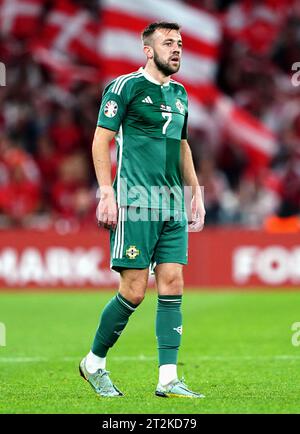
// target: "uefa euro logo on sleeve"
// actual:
[[110, 109]]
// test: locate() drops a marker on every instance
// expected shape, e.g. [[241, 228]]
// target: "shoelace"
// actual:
[[181, 382], [102, 372], [108, 386], [184, 385]]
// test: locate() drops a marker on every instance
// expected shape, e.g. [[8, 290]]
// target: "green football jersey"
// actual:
[[151, 120]]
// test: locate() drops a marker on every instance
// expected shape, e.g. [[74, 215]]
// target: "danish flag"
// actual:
[[70, 31], [19, 18], [120, 46]]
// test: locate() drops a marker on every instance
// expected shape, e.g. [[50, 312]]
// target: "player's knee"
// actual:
[[137, 298], [134, 289], [134, 294], [137, 288], [172, 284]]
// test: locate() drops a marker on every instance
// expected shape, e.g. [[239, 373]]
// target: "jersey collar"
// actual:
[[150, 78]]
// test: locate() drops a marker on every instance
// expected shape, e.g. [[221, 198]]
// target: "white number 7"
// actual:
[[169, 118]]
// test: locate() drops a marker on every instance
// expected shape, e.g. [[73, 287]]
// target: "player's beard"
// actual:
[[165, 67]]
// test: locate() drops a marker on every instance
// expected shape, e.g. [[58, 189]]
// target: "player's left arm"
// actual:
[[190, 179]]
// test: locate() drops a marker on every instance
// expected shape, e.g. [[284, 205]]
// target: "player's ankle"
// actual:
[[167, 374], [94, 362]]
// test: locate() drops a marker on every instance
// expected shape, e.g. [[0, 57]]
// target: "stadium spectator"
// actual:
[[215, 188], [256, 200], [71, 196], [65, 133], [20, 194]]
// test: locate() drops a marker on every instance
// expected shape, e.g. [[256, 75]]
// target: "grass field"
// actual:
[[236, 349]]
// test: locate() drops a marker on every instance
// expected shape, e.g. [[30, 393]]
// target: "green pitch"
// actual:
[[237, 350]]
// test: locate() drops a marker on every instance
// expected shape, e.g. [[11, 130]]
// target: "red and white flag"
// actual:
[[71, 31], [246, 131], [121, 50], [256, 24], [65, 73], [120, 40], [19, 18], [120, 44]]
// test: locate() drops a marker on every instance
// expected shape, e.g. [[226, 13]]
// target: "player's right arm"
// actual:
[[111, 114], [107, 209]]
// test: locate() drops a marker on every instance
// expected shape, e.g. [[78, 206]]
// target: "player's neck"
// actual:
[[156, 74]]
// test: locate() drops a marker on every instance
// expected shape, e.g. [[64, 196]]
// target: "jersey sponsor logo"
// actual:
[[165, 108], [178, 329], [132, 252], [180, 106], [148, 100], [110, 109]]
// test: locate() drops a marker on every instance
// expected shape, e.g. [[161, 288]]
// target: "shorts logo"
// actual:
[[180, 106], [110, 109], [132, 252]]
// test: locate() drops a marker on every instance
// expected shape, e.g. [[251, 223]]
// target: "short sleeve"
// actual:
[[112, 110]]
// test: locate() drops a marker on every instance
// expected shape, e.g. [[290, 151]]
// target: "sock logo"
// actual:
[[118, 333], [178, 329]]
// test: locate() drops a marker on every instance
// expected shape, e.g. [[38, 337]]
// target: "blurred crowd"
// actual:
[[46, 173]]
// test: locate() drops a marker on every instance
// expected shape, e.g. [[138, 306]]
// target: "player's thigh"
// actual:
[[169, 278], [172, 245]]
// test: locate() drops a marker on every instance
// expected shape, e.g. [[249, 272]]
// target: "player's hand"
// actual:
[[197, 212], [107, 210]]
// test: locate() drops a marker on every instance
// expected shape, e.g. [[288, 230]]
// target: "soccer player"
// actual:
[[148, 111]]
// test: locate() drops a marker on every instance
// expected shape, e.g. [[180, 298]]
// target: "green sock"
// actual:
[[168, 328], [113, 320]]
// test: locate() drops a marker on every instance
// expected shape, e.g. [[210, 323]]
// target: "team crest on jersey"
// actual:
[[110, 109], [132, 252], [180, 106]]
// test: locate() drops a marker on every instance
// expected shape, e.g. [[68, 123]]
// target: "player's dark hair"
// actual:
[[150, 29]]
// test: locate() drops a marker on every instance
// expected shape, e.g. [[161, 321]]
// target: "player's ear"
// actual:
[[148, 50]]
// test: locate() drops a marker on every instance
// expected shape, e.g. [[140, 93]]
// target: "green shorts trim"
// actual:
[[148, 237]]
